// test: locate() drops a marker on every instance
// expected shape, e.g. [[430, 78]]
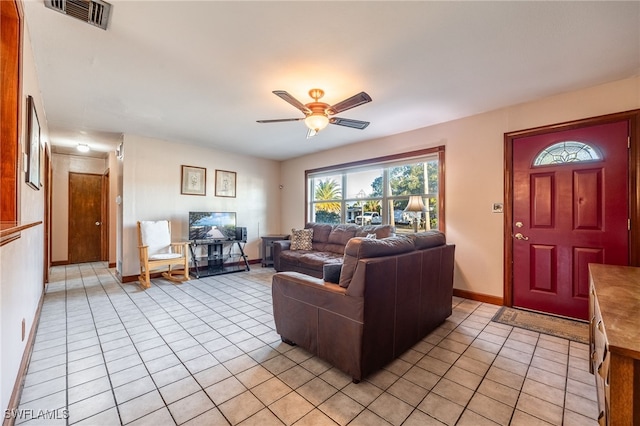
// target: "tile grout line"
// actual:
[[237, 300], [87, 295], [173, 351], [515, 407], [296, 364], [66, 343], [137, 351]]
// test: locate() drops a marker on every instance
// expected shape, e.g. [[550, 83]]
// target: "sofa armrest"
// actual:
[[319, 317], [315, 292], [313, 284], [278, 247]]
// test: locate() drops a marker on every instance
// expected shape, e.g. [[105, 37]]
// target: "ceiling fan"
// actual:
[[317, 114]]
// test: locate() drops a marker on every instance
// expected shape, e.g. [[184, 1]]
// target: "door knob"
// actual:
[[98, 223], [519, 236]]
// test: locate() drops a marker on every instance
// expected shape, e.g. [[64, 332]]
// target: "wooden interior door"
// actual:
[[567, 214], [85, 217]]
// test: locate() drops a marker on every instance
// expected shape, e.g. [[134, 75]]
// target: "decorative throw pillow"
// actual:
[[301, 239], [372, 236], [331, 272]]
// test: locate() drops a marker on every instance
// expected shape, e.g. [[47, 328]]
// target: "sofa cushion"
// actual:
[[333, 248], [310, 259], [341, 234], [315, 259], [321, 231], [331, 272], [362, 248], [428, 239], [301, 239], [381, 231]]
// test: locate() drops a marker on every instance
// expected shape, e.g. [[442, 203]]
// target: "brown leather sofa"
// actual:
[[328, 245], [391, 293]]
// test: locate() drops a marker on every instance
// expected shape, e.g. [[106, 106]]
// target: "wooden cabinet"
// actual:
[[614, 341], [267, 248]]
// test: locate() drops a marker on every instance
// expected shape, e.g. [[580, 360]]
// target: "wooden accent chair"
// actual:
[[157, 250]]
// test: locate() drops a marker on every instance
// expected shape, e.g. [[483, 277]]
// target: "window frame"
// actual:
[[438, 151]]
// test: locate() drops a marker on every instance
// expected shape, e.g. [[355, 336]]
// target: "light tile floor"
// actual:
[[206, 352]]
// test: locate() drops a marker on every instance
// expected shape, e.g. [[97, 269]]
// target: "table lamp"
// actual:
[[416, 206]]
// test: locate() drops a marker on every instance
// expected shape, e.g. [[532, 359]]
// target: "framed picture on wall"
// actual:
[[194, 180], [32, 148], [225, 183]]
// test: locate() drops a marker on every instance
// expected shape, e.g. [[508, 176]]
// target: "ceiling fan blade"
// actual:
[[354, 124], [293, 101], [352, 102], [280, 120]]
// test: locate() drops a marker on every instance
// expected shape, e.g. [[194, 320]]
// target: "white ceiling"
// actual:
[[202, 72]]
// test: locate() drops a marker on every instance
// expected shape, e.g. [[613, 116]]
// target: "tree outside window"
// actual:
[[327, 207]]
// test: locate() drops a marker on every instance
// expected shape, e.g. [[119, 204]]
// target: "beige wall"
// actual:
[[474, 171], [22, 260], [114, 179], [63, 165], [151, 191]]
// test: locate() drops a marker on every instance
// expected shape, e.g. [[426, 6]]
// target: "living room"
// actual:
[[270, 192]]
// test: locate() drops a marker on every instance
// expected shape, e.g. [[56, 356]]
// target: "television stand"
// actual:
[[218, 258]]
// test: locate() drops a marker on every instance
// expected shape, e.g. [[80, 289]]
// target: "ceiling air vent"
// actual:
[[94, 12]]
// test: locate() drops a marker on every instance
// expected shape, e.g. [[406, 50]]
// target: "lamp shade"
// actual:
[[415, 204], [316, 122]]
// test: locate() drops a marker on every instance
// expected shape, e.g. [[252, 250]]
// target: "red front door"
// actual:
[[570, 209]]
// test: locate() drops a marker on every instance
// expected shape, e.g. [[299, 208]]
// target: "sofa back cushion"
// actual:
[[428, 239], [363, 248], [381, 231], [341, 234], [320, 231]]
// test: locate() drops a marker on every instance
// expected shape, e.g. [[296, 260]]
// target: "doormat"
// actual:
[[541, 323]]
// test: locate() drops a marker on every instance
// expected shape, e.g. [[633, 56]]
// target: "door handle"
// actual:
[[98, 223], [519, 236]]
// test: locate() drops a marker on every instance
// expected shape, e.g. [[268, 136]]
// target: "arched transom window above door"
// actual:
[[567, 152]]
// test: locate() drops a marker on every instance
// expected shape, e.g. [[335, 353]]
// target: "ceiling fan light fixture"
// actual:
[[316, 121], [317, 115]]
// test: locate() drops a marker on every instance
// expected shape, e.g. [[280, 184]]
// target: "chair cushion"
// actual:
[[156, 236], [165, 256]]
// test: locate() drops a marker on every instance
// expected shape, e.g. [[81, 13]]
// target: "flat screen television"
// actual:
[[212, 225]]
